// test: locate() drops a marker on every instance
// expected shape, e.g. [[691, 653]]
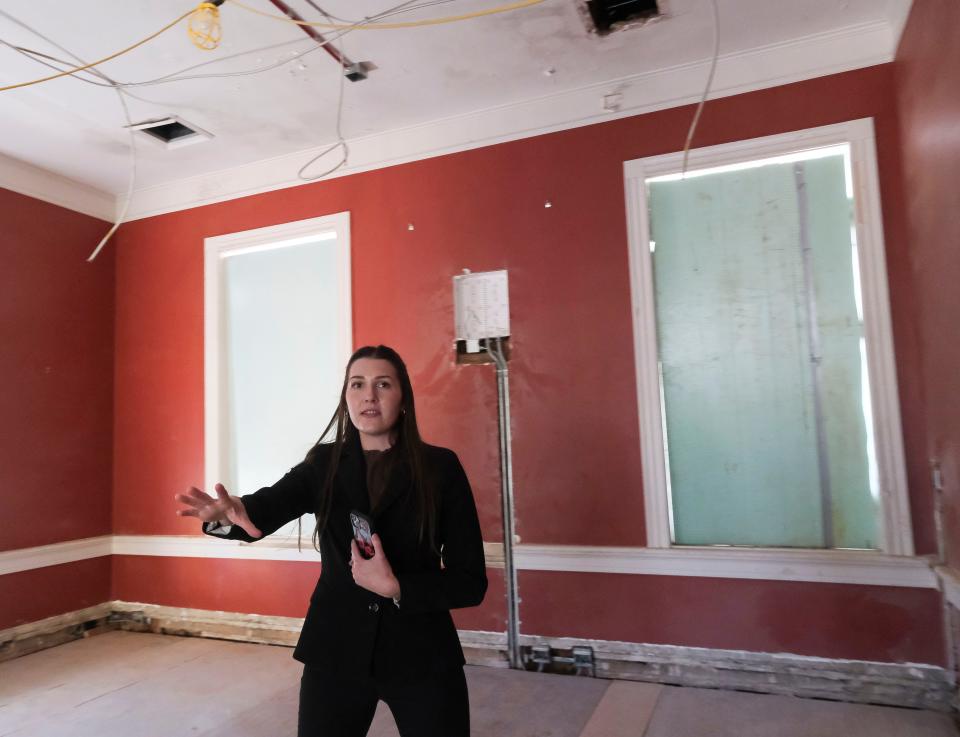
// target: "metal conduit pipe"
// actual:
[[313, 33], [495, 349]]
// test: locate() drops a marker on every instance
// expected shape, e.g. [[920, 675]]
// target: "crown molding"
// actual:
[[898, 13], [812, 56], [32, 181]]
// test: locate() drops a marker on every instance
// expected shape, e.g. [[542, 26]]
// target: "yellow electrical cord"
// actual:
[[335, 26], [394, 26], [74, 70]]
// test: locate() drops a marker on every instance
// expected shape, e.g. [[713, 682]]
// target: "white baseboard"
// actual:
[[897, 684]]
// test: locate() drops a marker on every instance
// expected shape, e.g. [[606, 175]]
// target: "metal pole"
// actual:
[[506, 498]]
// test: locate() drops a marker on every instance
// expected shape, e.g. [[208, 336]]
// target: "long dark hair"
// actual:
[[341, 430]]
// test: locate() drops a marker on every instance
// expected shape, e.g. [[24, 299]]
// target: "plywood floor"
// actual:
[[122, 684]]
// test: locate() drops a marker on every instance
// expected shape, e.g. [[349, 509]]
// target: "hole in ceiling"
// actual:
[[607, 16], [172, 131], [167, 132]]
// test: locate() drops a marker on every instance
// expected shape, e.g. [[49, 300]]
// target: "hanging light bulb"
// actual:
[[203, 26]]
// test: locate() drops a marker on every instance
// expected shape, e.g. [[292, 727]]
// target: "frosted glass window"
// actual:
[[281, 371], [765, 389]]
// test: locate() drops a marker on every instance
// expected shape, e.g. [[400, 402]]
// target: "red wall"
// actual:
[[825, 620], [273, 588], [104, 366], [573, 393], [56, 441], [33, 595], [927, 73]]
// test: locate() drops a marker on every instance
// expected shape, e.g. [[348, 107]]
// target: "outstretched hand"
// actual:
[[374, 574], [226, 509]]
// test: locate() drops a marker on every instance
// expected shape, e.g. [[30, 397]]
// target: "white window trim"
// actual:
[[896, 533], [216, 248]]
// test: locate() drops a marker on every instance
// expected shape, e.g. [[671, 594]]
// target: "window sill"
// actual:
[[773, 564]]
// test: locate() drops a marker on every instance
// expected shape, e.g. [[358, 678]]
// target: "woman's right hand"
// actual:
[[225, 509]]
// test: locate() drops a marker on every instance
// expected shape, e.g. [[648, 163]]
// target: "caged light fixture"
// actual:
[[203, 26]]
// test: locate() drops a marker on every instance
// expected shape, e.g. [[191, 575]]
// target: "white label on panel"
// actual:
[[481, 305]]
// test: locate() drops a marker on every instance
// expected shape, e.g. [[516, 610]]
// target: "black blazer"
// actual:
[[349, 630]]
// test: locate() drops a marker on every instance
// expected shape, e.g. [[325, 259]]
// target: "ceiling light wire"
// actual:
[[68, 72], [370, 18], [132, 177], [706, 90], [131, 181], [39, 56], [157, 80], [341, 142], [177, 76], [384, 14], [368, 26]]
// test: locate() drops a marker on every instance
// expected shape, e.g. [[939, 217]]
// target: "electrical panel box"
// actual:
[[481, 307]]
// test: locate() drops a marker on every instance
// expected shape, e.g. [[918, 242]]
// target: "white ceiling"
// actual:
[[423, 74]]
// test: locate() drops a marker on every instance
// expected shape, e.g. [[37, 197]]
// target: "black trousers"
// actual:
[[434, 706]]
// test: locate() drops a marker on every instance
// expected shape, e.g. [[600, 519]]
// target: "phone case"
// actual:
[[362, 532]]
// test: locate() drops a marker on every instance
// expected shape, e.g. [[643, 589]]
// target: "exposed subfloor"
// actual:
[[123, 683]]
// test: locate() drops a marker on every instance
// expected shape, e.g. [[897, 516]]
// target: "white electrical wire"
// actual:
[[132, 178], [39, 56], [191, 13], [33, 53], [120, 88], [378, 16], [130, 181], [706, 91], [341, 143], [178, 76]]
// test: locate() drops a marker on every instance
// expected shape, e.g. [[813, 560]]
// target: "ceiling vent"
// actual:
[[172, 132], [606, 16]]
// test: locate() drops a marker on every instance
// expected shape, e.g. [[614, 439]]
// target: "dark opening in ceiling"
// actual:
[[172, 131], [610, 15], [169, 131]]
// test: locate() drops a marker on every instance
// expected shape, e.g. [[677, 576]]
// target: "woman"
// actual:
[[377, 628]]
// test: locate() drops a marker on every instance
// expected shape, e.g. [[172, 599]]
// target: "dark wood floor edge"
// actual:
[[892, 684], [32, 637]]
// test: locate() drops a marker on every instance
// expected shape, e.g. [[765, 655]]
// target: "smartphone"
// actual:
[[362, 532]]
